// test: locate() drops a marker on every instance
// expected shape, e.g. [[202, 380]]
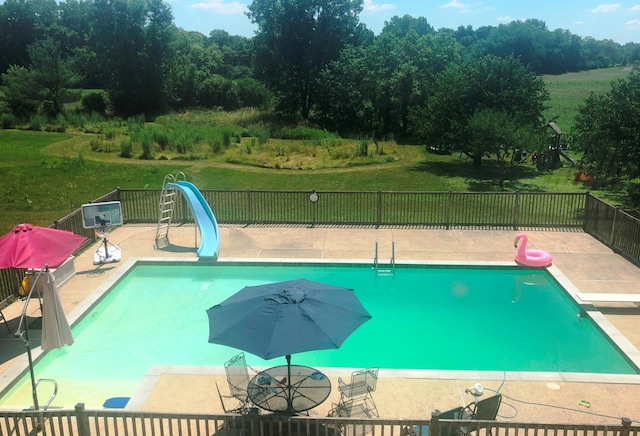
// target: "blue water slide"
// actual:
[[205, 220]]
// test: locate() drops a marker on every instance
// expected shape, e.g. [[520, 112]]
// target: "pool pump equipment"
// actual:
[[476, 390]]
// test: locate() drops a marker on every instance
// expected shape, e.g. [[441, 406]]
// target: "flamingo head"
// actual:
[[518, 237]]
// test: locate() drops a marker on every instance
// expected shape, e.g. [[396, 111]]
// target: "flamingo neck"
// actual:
[[522, 248]]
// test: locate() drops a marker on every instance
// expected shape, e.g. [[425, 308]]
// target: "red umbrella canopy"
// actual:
[[29, 246]]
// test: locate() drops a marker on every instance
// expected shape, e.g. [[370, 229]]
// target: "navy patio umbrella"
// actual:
[[280, 319]]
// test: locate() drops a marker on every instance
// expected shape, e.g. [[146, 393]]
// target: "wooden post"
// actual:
[[82, 420]]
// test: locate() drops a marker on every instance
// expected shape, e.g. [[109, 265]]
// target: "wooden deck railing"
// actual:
[[83, 422], [511, 210]]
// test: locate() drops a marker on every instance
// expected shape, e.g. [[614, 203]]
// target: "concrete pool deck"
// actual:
[[589, 265]]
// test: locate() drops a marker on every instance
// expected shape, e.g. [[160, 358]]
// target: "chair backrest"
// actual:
[[448, 429], [365, 377], [237, 376], [487, 409]]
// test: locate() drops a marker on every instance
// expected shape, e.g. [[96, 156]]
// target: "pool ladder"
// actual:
[[392, 263], [39, 421]]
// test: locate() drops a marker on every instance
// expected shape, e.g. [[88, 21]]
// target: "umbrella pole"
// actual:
[[34, 386], [289, 399], [24, 335]]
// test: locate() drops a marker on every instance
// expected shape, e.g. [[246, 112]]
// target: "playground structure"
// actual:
[[205, 221]]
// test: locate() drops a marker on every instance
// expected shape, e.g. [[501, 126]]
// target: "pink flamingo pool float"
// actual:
[[529, 257]]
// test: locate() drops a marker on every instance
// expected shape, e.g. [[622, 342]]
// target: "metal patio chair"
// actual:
[[238, 380], [363, 382]]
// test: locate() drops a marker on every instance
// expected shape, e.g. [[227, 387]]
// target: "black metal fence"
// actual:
[[514, 210]]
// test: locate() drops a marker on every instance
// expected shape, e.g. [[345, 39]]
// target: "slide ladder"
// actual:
[[165, 208]]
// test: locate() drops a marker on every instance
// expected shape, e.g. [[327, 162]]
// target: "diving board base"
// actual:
[[593, 297]]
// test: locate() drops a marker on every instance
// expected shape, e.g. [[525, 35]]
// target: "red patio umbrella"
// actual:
[[29, 246]]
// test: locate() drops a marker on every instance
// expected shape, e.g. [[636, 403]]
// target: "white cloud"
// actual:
[[504, 19], [455, 4], [221, 7], [369, 6], [633, 25], [635, 8], [605, 8]]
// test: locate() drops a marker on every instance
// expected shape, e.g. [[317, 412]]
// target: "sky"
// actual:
[[619, 22]]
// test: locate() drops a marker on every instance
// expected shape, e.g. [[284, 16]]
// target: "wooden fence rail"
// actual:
[[81, 422], [513, 210]]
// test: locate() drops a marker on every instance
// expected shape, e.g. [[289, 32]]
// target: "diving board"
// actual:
[[594, 297], [203, 216]]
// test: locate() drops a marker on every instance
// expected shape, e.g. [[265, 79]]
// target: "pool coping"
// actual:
[[21, 367]]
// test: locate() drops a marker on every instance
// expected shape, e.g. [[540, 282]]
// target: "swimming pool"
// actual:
[[425, 317]]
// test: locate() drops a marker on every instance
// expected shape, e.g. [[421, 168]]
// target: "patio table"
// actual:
[[309, 388]]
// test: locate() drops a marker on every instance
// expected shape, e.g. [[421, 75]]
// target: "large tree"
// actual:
[[608, 130], [132, 41], [499, 85], [22, 22], [295, 40], [51, 71]]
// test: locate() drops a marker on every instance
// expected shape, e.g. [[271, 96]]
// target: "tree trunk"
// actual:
[[477, 160]]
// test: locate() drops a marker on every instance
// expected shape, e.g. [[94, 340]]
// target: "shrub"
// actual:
[[126, 148], [110, 133], [363, 148], [96, 144], [226, 138], [36, 122], [147, 146], [161, 137], [7, 120]]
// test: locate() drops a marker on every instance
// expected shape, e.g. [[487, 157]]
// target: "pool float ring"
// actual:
[[23, 291], [528, 257]]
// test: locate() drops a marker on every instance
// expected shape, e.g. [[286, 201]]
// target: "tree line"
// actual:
[[133, 50]]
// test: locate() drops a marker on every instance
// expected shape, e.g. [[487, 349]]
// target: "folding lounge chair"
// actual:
[[347, 408], [446, 429], [363, 382], [483, 410]]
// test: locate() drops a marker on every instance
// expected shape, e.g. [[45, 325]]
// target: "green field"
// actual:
[[47, 175], [568, 91]]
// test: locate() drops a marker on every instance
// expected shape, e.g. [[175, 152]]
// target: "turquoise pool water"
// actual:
[[424, 317]]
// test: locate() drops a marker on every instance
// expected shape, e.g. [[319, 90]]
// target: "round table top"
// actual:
[[308, 386]]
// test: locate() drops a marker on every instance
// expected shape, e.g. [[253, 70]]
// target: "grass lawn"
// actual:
[[568, 91]]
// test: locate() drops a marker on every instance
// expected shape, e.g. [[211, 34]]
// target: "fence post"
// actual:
[[434, 427], [613, 228], [587, 209], [249, 208], [82, 420], [447, 212], [516, 211], [379, 211], [626, 427]]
